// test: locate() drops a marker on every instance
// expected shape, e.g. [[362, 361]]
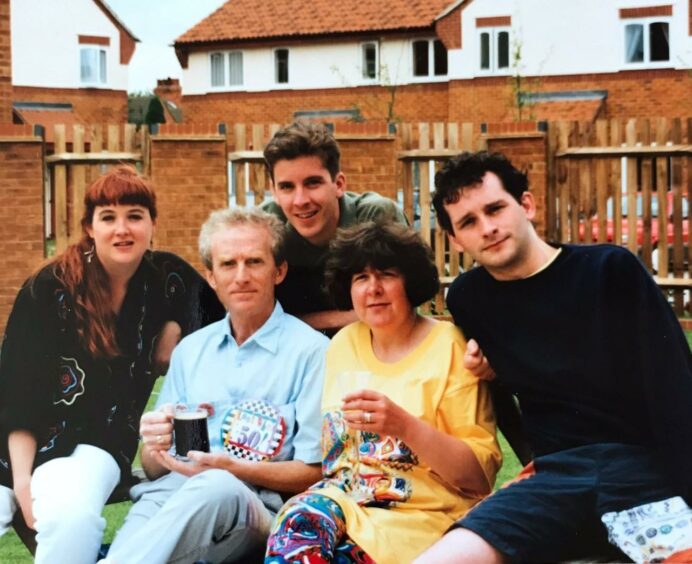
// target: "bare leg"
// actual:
[[461, 546]]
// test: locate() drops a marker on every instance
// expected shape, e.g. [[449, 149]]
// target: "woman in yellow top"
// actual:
[[408, 434]]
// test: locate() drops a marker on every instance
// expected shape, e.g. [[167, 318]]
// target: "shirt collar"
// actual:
[[347, 209], [267, 336]]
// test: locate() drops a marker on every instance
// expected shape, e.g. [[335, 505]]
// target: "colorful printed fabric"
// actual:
[[371, 467], [651, 532], [311, 529]]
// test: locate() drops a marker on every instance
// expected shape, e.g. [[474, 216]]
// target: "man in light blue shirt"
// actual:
[[259, 374]]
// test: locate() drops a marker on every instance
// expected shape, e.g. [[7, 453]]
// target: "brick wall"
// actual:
[[448, 29], [645, 93], [525, 146], [368, 160], [21, 211], [93, 105], [5, 63], [489, 99], [190, 177], [420, 102]]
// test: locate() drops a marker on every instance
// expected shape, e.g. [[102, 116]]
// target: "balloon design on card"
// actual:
[[253, 430]]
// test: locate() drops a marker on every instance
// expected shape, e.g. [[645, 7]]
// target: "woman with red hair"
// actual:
[[78, 365]]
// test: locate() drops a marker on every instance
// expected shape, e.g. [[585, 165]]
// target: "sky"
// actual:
[[156, 23]]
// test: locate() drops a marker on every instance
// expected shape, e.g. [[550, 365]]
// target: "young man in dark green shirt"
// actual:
[[310, 196]]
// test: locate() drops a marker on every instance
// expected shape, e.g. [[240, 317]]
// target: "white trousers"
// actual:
[[212, 516], [68, 495], [8, 505]]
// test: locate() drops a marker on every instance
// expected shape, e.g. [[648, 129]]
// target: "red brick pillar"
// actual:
[[189, 170], [368, 157], [21, 211], [525, 144], [5, 63]]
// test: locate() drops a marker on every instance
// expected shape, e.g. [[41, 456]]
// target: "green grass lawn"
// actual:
[[12, 551]]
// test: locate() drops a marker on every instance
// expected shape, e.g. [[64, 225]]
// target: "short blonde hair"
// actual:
[[230, 217]]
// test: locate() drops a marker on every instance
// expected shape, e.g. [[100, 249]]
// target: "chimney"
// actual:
[[169, 89]]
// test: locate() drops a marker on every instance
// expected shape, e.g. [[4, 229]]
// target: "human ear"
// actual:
[[209, 275], [281, 271], [528, 204], [340, 182]]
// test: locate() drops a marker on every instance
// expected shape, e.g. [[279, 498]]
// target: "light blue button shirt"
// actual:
[[282, 363]]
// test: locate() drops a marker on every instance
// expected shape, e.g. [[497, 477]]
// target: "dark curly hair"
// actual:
[[468, 169], [380, 245]]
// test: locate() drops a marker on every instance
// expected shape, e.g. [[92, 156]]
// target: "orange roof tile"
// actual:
[[250, 19]]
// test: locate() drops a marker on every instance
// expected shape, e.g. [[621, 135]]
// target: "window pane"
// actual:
[[634, 43], [88, 64], [102, 66], [503, 50], [659, 44], [281, 62], [485, 51], [235, 68], [420, 58], [440, 58], [369, 60], [217, 70]]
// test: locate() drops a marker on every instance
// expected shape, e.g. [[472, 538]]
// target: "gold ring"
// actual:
[[367, 417], [159, 439]]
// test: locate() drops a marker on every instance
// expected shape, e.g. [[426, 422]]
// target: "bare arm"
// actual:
[[291, 476], [451, 458], [330, 319], [156, 430], [22, 449]]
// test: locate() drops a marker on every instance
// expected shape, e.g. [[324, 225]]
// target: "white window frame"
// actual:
[[431, 61], [275, 59], [646, 23], [494, 32], [363, 66], [101, 68], [226, 70]]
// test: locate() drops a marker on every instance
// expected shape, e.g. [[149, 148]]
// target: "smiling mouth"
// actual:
[[305, 215], [123, 244]]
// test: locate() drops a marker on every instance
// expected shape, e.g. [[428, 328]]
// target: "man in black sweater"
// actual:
[[587, 342]]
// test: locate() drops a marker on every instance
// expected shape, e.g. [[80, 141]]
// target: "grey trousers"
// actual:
[[211, 516]]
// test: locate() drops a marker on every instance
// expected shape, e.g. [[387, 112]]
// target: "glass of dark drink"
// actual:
[[190, 429]]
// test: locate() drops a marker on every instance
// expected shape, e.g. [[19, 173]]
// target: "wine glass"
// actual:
[[351, 381]]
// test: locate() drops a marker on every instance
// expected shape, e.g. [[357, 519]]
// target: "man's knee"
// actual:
[[460, 546]]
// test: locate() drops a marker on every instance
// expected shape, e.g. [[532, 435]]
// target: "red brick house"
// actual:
[[438, 60]]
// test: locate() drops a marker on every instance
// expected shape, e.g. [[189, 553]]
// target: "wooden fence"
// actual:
[[596, 175], [627, 183]]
